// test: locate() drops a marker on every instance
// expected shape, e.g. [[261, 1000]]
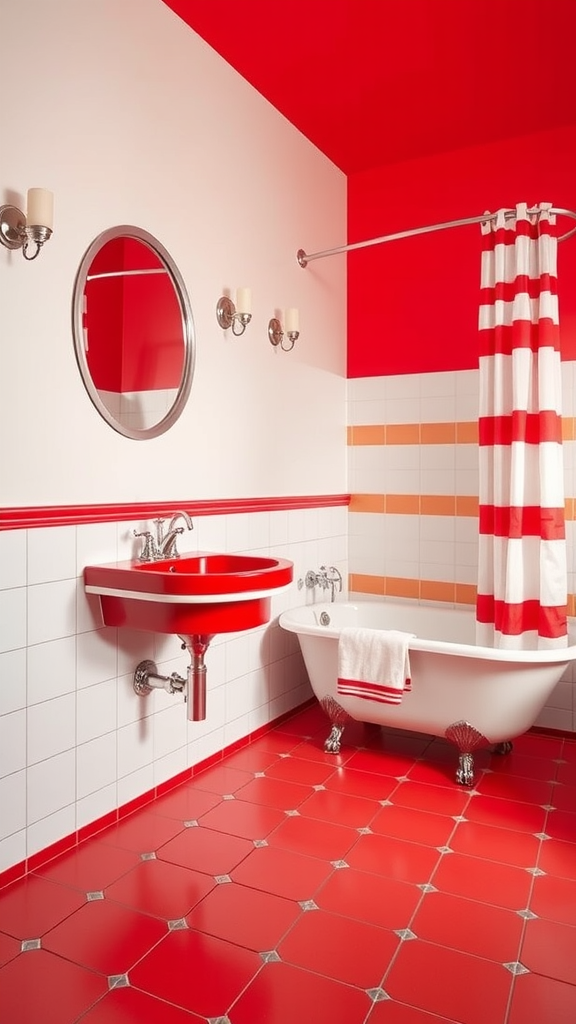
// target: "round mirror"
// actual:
[[133, 332]]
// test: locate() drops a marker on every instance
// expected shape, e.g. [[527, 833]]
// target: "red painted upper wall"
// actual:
[[413, 303]]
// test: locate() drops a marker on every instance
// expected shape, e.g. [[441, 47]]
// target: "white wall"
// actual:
[[130, 118]]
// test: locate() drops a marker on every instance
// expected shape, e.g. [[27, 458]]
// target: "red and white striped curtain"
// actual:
[[522, 572]]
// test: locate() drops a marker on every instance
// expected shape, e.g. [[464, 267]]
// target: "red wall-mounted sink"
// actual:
[[205, 592]]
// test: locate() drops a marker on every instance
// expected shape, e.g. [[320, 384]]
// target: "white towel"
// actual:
[[374, 664]]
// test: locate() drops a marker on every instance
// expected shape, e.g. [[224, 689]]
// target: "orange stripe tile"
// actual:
[[361, 583], [437, 504], [367, 503], [403, 504], [437, 433], [436, 590], [568, 428], [368, 434], [396, 586], [467, 432], [466, 505], [403, 433], [571, 605], [465, 593], [569, 509]]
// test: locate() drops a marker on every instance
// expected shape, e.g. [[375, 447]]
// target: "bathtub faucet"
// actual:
[[326, 579], [334, 578], [164, 546]]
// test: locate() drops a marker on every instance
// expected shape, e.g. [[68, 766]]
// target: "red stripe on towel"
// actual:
[[373, 691]]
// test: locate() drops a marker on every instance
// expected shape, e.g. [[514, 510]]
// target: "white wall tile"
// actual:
[[51, 828], [12, 850], [51, 785], [438, 481], [209, 534], [368, 413], [12, 681], [402, 387], [13, 803], [366, 389], [12, 619], [96, 544], [135, 747], [169, 731], [51, 669], [12, 742], [96, 766], [51, 728], [238, 533], [96, 654], [467, 382], [51, 611], [170, 765], [402, 410], [134, 785], [258, 531], [96, 710], [437, 409], [237, 657], [96, 805], [51, 554], [441, 384], [12, 559]]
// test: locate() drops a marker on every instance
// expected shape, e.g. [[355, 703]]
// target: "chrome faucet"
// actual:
[[167, 545], [164, 546], [326, 579]]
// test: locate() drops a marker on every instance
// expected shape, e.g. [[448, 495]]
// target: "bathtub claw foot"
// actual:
[[503, 748], [332, 744], [466, 738], [338, 717], [465, 770]]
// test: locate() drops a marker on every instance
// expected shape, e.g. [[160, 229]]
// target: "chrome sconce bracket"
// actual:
[[276, 335], [19, 232], [227, 317]]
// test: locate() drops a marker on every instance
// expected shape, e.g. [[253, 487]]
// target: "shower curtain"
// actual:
[[522, 572]]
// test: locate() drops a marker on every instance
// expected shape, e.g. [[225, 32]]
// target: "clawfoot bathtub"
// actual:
[[474, 696]]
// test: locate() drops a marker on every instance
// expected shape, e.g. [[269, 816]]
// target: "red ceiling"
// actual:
[[372, 82]]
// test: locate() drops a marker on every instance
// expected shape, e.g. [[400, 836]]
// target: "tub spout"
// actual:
[[334, 578]]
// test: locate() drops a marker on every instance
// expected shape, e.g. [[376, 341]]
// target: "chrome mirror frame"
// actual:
[[188, 330]]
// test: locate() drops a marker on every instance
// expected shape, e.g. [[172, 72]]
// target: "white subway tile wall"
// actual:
[[76, 742], [436, 548]]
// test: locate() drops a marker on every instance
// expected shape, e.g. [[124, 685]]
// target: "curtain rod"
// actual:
[[304, 258]]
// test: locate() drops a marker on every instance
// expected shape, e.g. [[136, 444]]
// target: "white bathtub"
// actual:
[[474, 696]]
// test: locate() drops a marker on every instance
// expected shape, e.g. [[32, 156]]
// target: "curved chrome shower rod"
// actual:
[[305, 258]]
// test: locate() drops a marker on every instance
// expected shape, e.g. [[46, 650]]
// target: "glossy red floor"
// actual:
[[290, 886]]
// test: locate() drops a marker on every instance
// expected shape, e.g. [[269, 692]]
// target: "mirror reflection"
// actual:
[[133, 332]]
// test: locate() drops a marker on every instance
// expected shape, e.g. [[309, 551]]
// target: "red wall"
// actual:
[[413, 303]]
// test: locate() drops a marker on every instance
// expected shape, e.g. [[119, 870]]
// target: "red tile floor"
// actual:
[[289, 886]]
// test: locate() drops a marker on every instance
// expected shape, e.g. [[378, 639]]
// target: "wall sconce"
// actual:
[[235, 316], [276, 334], [18, 231]]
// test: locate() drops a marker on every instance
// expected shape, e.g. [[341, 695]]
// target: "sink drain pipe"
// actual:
[[147, 677]]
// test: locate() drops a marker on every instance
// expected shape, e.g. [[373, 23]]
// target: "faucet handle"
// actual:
[[148, 551]]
